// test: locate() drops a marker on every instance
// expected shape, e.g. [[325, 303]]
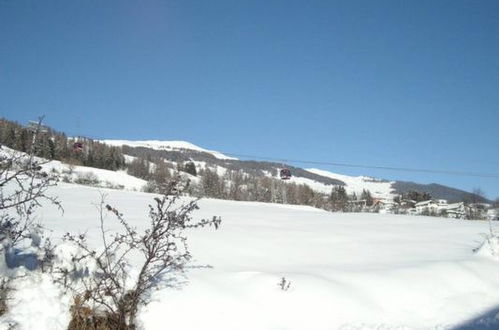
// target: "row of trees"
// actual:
[[54, 145], [240, 186]]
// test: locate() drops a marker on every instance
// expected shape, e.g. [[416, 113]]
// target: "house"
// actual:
[[407, 203], [455, 210], [427, 207], [493, 214], [441, 202], [478, 210], [384, 205], [432, 206]]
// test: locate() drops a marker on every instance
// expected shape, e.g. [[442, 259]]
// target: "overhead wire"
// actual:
[[376, 167]]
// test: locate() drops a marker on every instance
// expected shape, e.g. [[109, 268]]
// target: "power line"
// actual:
[[389, 168]]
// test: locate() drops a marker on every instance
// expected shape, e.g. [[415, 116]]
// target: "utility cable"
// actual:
[[389, 168]]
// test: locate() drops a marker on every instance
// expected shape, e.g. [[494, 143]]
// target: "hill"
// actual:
[[319, 180]]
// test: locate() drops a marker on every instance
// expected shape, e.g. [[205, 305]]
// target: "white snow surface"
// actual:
[[105, 177], [378, 188], [347, 271], [164, 145]]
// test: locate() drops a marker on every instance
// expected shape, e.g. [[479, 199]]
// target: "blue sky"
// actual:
[[389, 83]]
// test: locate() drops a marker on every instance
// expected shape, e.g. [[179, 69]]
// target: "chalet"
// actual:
[[433, 206], [429, 206], [455, 210]]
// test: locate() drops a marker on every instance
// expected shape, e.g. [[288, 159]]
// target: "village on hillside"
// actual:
[[432, 207]]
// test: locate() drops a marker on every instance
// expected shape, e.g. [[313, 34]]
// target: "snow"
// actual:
[[378, 188], [107, 178], [129, 159], [347, 271], [36, 303], [164, 145], [220, 170]]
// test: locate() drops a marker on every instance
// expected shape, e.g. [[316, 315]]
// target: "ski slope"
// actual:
[[347, 271]]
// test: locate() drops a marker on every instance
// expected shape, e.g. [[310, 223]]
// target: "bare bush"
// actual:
[[87, 178], [284, 284], [23, 186], [109, 290]]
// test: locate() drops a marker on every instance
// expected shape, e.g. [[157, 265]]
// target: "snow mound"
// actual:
[[164, 145], [36, 302], [489, 248]]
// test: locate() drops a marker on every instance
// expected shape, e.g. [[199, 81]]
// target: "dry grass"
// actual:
[[85, 318], [4, 292]]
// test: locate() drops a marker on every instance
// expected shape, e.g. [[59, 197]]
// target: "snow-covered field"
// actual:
[[347, 271]]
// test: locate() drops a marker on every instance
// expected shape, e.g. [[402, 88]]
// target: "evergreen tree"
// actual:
[[339, 199], [190, 168], [366, 195]]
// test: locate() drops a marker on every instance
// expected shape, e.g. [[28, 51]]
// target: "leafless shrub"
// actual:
[[284, 284], [87, 178], [23, 186], [4, 291], [108, 289]]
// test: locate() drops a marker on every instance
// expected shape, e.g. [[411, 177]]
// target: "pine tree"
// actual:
[[339, 199], [366, 195], [190, 168]]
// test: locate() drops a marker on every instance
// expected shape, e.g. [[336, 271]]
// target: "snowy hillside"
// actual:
[[317, 179], [105, 178], [164, 145], [72, 173], [355, 184], [347, 271]]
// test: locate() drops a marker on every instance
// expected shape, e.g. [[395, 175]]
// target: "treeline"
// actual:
[[54, 145], [241, 186], [237, 185]]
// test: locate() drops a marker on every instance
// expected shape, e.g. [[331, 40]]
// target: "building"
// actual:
[[455, 210], [493, 214]]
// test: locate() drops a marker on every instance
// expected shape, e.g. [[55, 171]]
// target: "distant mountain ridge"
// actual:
[[438, 191], [320, 180]]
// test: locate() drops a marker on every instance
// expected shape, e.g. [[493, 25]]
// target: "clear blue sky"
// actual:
[[396, 83]]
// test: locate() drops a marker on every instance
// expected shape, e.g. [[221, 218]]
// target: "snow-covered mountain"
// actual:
[[318, 179]]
